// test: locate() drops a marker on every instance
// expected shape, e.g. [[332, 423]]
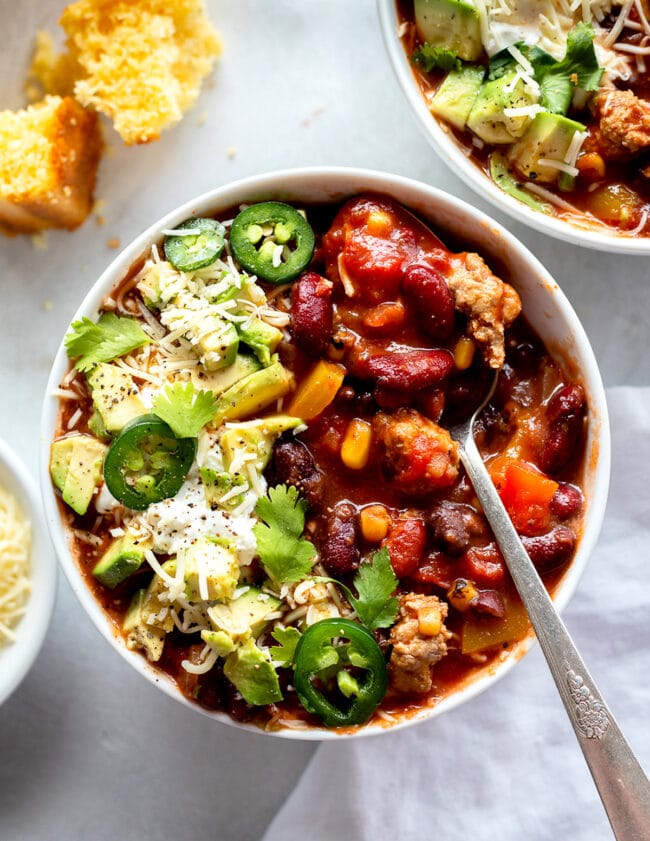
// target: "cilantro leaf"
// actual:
[[286, 555], [375, 583], [286, 650], [104, 341], [578, 69], [431, 58], [185, 410], [503, 62]]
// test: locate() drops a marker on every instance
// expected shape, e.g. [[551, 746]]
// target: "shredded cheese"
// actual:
[[15, 584]]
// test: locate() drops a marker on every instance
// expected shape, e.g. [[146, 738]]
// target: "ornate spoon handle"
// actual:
[[620, 780]]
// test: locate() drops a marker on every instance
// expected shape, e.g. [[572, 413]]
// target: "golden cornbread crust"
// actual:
[[141, 61], [49, 155]]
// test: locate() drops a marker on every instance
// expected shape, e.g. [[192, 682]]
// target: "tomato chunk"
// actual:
[[405, 543]]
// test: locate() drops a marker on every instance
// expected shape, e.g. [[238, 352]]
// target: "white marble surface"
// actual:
[[89, 750]]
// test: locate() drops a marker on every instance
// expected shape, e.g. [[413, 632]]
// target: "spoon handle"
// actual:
[[620, 780]]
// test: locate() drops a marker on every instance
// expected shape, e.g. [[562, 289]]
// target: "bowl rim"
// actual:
[[16, 659], [451, 153], [275, 183]]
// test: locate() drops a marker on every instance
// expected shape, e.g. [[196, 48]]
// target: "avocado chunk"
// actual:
[[455, 97], [261, 338], [218, 381], [549, 136], [219, 566], [217, 342], [250, 670], [141, 636], [220, 487], [454, 25], [488, 120], [115, 396], [254, 438], [504, 179], [123, 557], [219, 641], [253, 393], [244, 616], [76, 469]]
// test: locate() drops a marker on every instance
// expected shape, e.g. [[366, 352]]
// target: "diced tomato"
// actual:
[[437, 569], [484, 565], [405, 543], [526, 493]]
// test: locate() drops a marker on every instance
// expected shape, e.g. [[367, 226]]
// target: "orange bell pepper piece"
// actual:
[[526, 493]]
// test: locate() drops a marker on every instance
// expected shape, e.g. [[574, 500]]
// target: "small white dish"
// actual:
[[17, 658]]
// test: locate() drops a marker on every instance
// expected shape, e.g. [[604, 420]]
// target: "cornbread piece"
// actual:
[[141, 62], [48, 163], [50, 72]]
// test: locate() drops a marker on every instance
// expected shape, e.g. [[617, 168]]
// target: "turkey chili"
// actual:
[[253, 461]]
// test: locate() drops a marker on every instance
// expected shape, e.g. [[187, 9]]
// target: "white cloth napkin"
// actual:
[[506, 765]]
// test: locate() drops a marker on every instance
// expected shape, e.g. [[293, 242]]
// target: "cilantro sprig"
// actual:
[[90, 343], [185, 410], [557, 79], [285, 554], [431, 58], [285, 651]]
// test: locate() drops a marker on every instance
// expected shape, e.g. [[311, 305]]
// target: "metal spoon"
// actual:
[[620, 780]]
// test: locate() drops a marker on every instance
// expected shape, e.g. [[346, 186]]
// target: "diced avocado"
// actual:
[[217, 342], [115, 396], [549, 136], [503, 178], [123, 557], [219, 641], [220, 568], [454, 25], [244, 616], [96, 426], [253, 393], [253, 437], [218, 381], [139, 634], [487, 118], [155, 611], [76, 468], [217, 484], [261, 338], [455, 97], [250, 670]]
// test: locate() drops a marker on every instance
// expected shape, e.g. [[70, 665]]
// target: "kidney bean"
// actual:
[[292, 464], [405, 543], [312, 313], [339, 550], [550, 550], [406, 370], [453, 525], [566, 501], [566, 413], [431, 300], [489, 602]]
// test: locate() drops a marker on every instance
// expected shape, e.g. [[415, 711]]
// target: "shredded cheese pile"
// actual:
[[15, 585]]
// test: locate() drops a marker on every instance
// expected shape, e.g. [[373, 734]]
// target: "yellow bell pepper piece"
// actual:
[[317, 390]]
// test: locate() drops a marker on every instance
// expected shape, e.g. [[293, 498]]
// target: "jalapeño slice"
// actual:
[[147, 463], [340, 672], [188, 251], [272, 241]]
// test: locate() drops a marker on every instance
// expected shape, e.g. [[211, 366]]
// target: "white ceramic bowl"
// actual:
[[17, 658], [453, 154], [544, 304]]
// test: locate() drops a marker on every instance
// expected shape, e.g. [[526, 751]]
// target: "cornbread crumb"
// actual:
[[49, 154], [141, 63], [39, 241], [47, 306], [113, 242], [231, 151], [49, 73]]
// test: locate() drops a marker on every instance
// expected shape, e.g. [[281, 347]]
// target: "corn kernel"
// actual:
[[462, 594], [464, 353], [355, 450], [379, 223], [374, 521], [429, 621]]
